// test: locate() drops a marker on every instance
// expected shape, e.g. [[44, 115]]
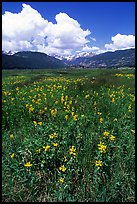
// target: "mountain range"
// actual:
[[30, 60], [37, 60]]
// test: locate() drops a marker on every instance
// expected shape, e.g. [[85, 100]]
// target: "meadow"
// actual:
[[68, 135]]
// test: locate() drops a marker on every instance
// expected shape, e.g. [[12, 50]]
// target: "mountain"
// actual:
[[119, 58], [30, 60], [70, 58]]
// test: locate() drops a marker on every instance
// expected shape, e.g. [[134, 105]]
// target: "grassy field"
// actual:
[[68, 135]]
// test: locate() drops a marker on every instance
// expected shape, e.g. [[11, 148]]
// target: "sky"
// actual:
[[68, 28]]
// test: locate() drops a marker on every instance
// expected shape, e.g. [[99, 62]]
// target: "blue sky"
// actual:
[[108, 26]]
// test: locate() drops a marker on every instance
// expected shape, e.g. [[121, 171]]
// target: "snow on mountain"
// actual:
[[73, 57]]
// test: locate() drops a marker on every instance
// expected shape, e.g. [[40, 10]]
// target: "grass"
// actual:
[[68, 135]]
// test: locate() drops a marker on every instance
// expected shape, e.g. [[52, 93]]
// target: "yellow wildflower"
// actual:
[[46, 148], [35, 122], [55, 144], [39, 123], [31, 109], [66, 117], [72, 150], [61, 180], [38, 150], [17, 88], [65, 159], [102, 147], [98, 163], [54, 112], [28, 164], [75, 117], [11, 136], [112, 137], [62, 168], [113, 100], [106, 134], [99, 113], [101, 120], [12, 155]]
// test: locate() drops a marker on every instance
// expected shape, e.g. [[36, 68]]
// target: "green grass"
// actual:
[[52, 124]]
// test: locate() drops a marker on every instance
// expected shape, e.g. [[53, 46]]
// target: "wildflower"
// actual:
[[27, 105], [54, 112], [61, 180], [38, 150], [101, 120], [72, 150], [112, 137], [39, 123], [12, 155], [98, 163], [55, 144], [66, 117], [62, 168], [87, 96], [75, 117], [31, 109], [46, 148], [51, 136], [35, 122], [99, 113], [28, 164], [106, 134], [102, 147], [17, 88], [115, 119], [133, 131], [11, 136], [113, 100], [65, 159]]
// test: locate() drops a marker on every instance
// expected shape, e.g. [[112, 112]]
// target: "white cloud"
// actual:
[[27, 30], [120, 41], [86, 48]]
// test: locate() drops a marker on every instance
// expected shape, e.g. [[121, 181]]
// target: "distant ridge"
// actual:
[[38, 60], [30, 60], [119, 58]]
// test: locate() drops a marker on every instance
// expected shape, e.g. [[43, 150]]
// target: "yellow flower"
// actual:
[[98, 163], [72, 150], [99, 113], [115, 119], [51, 136], [54, 112], [101, 120], [55, 144], [112, 137], [38, 150], [62, 168], [28, 164], [75, 117], [102, 147], [31, 109], [113, 100], [66, 117], [12, 155], [46, 148], [27, 105], [39, 123], [61, 180], [35, 123], [17, 88], [106, 134], [11, 136], [65, 159], [133, 131]]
